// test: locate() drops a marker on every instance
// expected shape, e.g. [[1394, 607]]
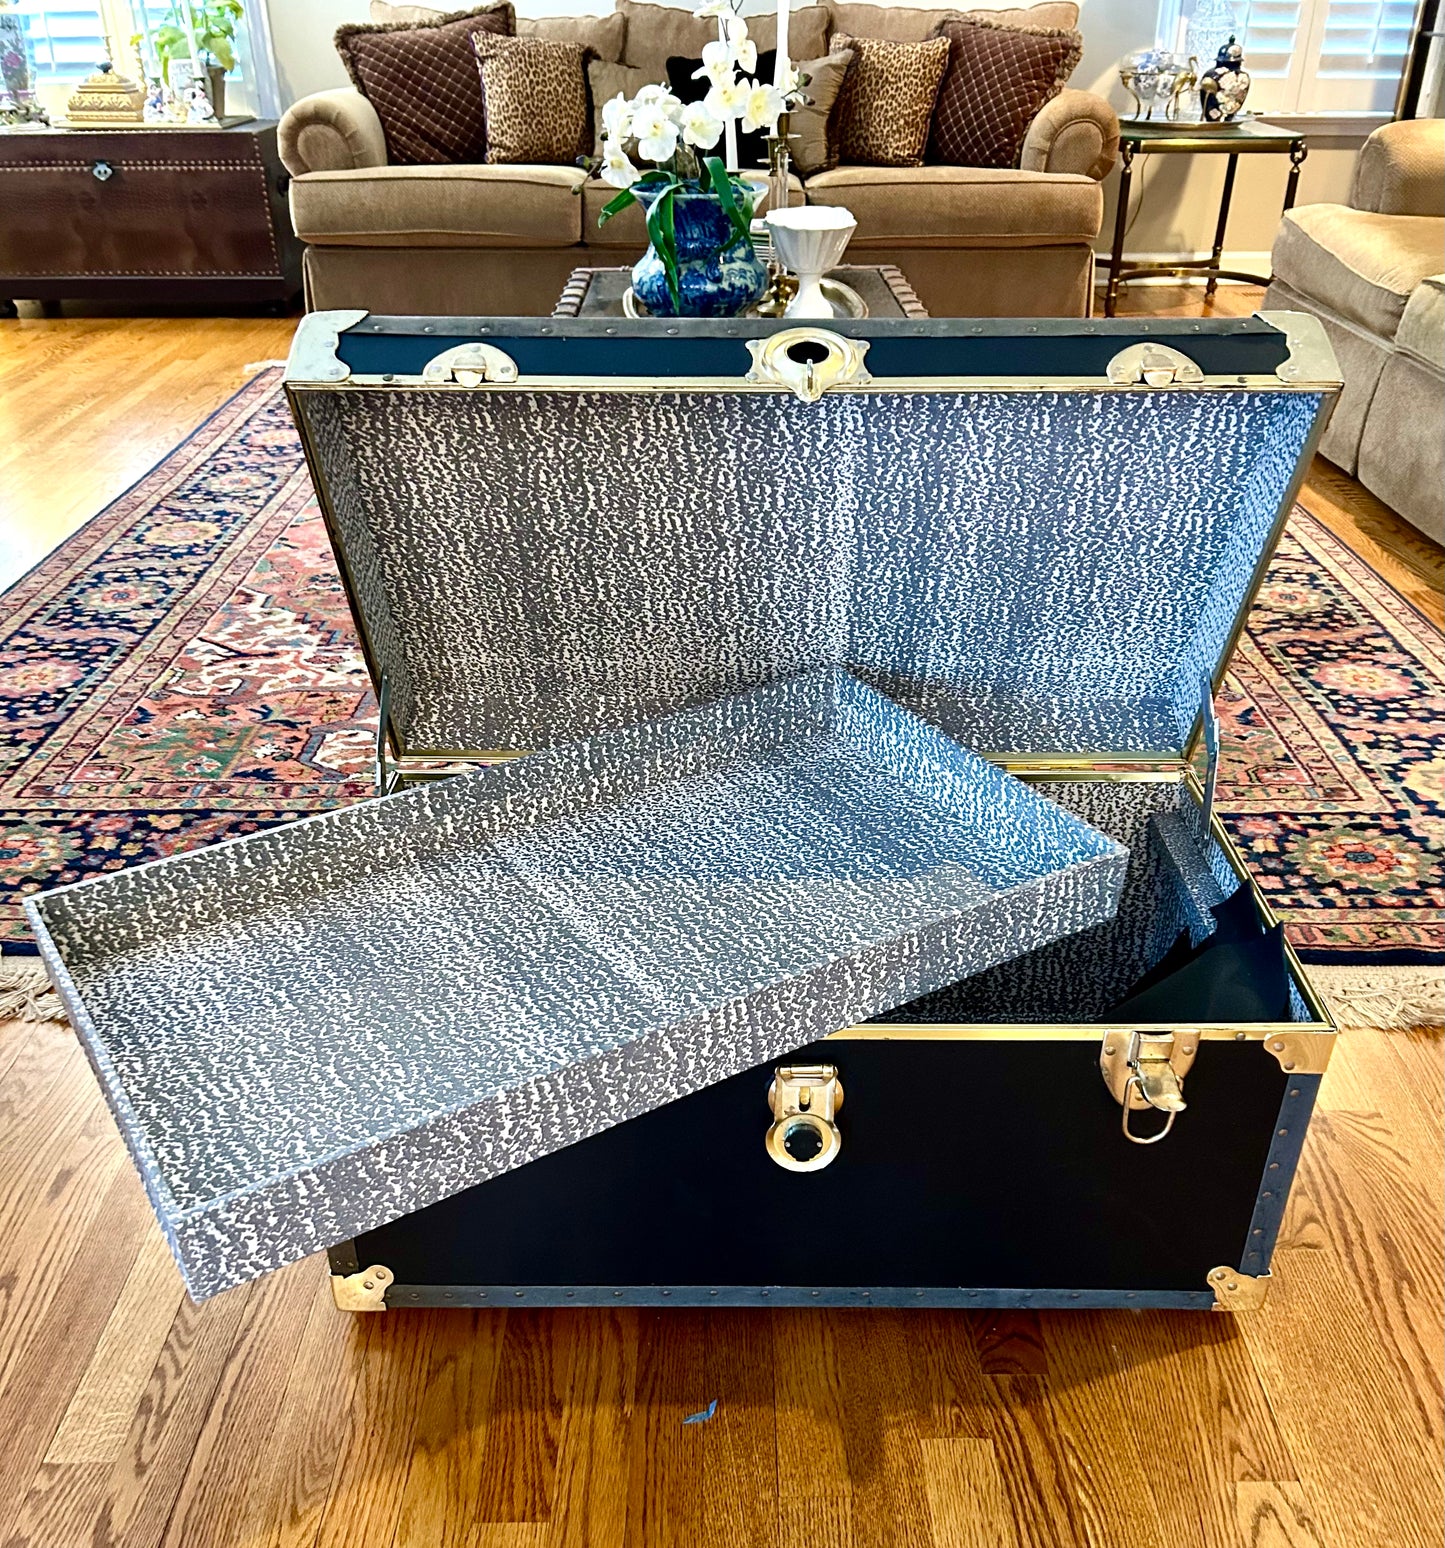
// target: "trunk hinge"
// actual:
[[469, 365], [1146, 1070], [1155, 365]]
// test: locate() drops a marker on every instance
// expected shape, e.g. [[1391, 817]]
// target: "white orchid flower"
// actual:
[[655, 132], [699, 127], [617, 118], [728, 99], [647, 95], [717, 64], [745, 54], [762, 106], [711, 8], [736, 29], [616, 168], [792, 81]]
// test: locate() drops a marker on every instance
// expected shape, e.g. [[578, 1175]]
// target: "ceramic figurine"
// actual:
[[198, 105], [1224, 85], [155, 108]]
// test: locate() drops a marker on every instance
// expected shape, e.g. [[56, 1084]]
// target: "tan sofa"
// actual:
[[436, 240], [1371, 271]]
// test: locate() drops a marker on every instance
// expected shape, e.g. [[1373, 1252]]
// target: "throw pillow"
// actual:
[[813, 128], [886, 103], [423, 82], [997, 79], [604, 35], [536, 93], [604, 81], [912, 24], [752, 147], [656, 32]]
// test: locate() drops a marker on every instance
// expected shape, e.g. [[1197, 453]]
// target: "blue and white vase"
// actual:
[[719, 274]]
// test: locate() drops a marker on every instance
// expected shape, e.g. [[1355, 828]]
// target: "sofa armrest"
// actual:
[[1401, 170], [331, 131], [1075, 132]]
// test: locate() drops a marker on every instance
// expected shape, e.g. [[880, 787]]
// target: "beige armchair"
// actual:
[[495, 238], [1373, 272]]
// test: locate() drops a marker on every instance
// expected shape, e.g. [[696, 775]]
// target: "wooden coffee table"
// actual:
[[597, 292]]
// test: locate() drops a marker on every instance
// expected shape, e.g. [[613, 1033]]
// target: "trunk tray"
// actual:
[[309, 1032]]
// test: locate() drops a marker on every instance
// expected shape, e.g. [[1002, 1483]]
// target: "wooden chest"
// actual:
[[169, 216]]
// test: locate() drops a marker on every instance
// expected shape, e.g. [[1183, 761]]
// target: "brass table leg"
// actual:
[[1218, 252]]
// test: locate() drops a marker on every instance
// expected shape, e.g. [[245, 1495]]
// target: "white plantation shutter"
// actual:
[[1316, 56], [68, 39]]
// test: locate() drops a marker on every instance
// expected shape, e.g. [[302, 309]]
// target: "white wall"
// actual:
[[1180, 193]]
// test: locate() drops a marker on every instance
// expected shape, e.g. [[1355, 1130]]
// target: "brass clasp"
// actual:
[[469, 365], [808, 361], [1155, 365], [804, 1099], [1146, 1070]]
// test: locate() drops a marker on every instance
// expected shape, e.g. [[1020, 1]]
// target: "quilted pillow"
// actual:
[[998, 77], [536, 92], [886, 103], [422, 79]]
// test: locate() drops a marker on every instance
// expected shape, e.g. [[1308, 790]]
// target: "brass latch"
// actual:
[[808, 361], [1146, 1070], [1155, 365], [469, 365], [804, 1099]]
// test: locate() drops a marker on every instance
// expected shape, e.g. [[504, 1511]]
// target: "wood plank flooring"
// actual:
[[267, 1419]]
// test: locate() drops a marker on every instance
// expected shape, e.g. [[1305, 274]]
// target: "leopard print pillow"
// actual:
[[536, 91], [886, 104]]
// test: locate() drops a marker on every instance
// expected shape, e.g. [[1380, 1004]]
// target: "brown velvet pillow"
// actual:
[[998, 78], [536, 92], [886, 103], [424, 83]]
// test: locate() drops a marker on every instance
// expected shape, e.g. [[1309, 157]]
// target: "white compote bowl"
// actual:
[[809, 239]]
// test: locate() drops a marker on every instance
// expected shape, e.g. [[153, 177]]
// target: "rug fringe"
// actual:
[[1387, 999], [25, 992]]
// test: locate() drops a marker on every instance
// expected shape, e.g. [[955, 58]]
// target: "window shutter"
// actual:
[[68, 39]]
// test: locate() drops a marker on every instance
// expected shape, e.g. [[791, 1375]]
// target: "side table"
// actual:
[[595, 292], [1161, 138], [146, 214]]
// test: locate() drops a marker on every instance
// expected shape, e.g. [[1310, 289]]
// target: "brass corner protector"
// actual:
[[1236, 1292], [1301, 1053], [364, 1291]]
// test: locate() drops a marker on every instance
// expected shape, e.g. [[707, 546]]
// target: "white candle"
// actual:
[[784, 64]]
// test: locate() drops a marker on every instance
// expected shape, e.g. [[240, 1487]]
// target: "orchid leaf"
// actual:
[[663, 235]]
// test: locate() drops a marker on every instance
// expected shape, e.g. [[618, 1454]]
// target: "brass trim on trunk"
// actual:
[[1236, 1292], [364, 1291]]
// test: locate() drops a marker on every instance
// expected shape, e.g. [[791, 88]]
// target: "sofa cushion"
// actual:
[[440, 206], [1361, 265], [996, 81], [604, 35], [936, 206], [887, 101], [536, 92], [1422, 326], [424, 83], [657, 32], [911, 24]]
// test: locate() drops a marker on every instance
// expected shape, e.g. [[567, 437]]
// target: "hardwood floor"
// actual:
[[267, 1419]]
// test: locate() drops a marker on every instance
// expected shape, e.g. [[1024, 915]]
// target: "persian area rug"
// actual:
[[184, 669]]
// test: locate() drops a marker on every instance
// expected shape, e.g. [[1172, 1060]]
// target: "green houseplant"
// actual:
[[205, 30]]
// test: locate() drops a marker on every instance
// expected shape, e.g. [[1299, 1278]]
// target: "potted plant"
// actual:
[[204, 31], [700, 260]]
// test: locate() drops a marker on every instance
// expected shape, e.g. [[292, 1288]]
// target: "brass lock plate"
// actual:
[[804, 1099], [808, 361]]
